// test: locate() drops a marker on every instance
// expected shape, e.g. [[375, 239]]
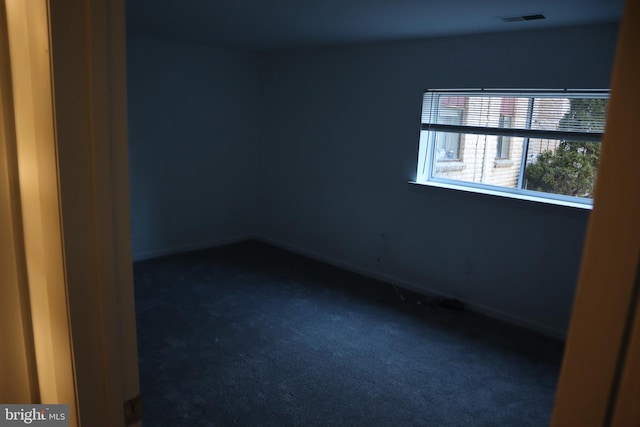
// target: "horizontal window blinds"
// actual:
[[561, 115]]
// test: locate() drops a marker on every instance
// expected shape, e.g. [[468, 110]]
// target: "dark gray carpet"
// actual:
[[251, 335]]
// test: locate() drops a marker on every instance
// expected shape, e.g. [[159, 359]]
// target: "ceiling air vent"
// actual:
[[518, 18]]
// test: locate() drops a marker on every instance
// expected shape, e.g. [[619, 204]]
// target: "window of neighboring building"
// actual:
[[537, 145], [448, 143], [504, 142]]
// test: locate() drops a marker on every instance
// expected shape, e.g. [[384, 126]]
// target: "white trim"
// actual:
[[526, 197], [421, 289], [141, 256]]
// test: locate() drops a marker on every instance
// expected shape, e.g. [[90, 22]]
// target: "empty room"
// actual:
[[331, 213], [295, 265]]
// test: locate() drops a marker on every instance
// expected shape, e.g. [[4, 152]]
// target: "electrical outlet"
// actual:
[[384, 241], [470, 268]]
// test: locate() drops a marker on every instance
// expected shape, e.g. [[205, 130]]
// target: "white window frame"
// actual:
[[427, 162]]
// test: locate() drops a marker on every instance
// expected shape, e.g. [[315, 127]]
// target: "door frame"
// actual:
[[66, 147], [600, 383]]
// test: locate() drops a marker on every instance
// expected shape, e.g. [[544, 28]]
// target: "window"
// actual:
[[504, 142], [536, 145], [448, 144]]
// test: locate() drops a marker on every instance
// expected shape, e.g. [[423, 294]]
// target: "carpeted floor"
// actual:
[[251, 335]]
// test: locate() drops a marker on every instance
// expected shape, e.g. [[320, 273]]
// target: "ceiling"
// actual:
[[272, 24]]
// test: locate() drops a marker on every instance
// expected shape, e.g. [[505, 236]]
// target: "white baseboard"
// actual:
[[140, 256], [421, 289], [517, 321]]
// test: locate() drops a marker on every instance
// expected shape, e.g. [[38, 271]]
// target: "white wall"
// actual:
[[340, 145], [192, 145], [320, 161]]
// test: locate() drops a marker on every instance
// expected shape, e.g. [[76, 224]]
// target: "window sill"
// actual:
[[490, 192], [502, 163], [449, 166]]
